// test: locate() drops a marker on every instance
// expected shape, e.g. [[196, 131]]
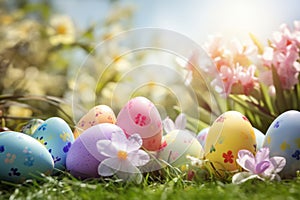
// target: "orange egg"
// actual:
[[97, 115], [229, 133]]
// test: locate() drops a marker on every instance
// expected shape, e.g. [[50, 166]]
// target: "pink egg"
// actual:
[[83, 157], [141, 116]]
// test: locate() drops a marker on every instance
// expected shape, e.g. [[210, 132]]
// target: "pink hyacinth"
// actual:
[[283, 54], [234, 67]]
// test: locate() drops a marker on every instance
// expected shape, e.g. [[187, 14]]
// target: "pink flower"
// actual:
[[283, 54], [217, 51], [261, 166], [224, 81], [234, 68], [246, 77]]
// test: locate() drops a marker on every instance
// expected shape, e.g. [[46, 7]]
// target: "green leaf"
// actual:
[[280, 101], [259, 46]]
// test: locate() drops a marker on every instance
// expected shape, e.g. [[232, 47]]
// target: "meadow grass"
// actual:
[[68, 187]]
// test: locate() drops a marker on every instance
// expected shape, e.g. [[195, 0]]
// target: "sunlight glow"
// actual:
[[239, 17]]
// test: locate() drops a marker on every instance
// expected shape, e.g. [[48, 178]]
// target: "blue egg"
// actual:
[[56, 135], [260, 137], [22, 157], [283, 139]]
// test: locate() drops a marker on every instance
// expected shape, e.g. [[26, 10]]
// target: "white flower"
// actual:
[[61, 30], [124, 156], [180, 123]]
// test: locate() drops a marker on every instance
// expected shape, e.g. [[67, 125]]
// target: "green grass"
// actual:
[[67, 187]]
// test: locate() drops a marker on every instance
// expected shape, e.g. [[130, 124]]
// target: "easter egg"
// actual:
[[178, 144], [31, 126], [228, 134], [141, 116], [283, 139], [56, 135], [98, 114], [201, 137], [22, 157], [260, 137], [83, 157]]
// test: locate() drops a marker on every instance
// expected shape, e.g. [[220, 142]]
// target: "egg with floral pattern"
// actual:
[[283, 139], [177, 145], [31, 126], [228, 134], [84, 158], [22, 157], [96, 115], [56, 135], [141, 116]]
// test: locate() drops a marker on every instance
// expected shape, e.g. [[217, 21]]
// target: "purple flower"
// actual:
[[123, 156], [261, 166]]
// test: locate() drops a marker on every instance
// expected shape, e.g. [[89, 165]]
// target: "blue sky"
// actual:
[[195, 18]]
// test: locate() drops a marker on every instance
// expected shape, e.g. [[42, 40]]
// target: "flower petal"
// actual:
[[242, 177], [244, 152], [246, 160], [168, 125], [180, 121], [106, 148], [134, 142], [128, 167], [109, 166], [262, 154], [278, 163], [138, 158], [119, 140], [249, 165], [262, 166]]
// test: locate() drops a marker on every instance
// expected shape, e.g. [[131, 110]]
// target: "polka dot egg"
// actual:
[[56, 135], [22, 157], [98, 114], [283, 139]]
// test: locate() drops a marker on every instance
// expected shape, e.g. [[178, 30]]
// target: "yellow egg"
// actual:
[[97, 115], [228, 134]]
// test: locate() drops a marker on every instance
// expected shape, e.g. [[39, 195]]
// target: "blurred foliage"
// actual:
[[38, 61]]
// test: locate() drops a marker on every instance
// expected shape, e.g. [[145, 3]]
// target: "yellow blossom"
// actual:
[[61, 30]]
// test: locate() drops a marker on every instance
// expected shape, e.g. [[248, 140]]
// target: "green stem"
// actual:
[[261, 111]]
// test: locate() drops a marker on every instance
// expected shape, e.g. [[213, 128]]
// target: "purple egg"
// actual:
[[83, 157]]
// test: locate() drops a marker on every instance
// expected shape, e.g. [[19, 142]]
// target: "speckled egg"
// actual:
[[201, 137], [31, 126], [260, 137], [176, 145], [98, 114], [228, 134], [22, 157], [56, 135], [83, 157], [283, 139], [141, 116]]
